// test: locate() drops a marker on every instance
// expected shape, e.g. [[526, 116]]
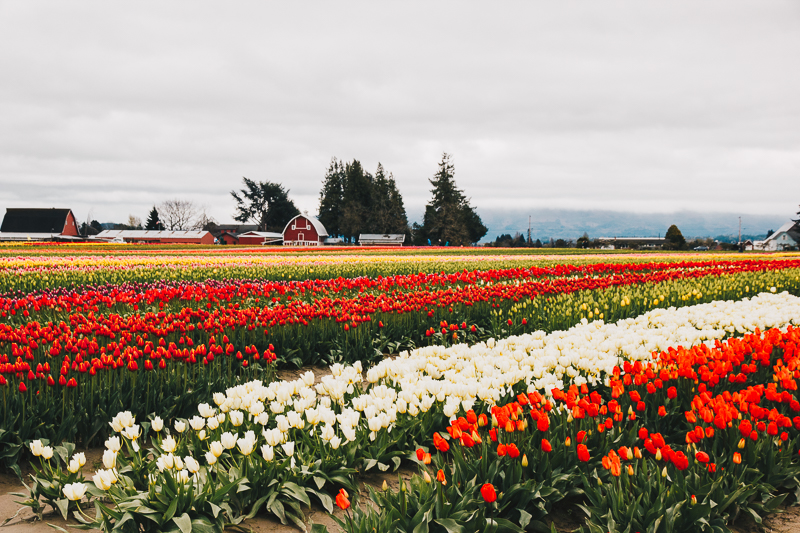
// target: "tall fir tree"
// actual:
[[388, 213], [153, 222], [352, 202], [449, 218], [356, 201], [331, 198]]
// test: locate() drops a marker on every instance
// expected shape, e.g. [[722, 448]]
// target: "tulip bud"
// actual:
[[385, 486], [694, 499], [524, 460], [658, 454], [630, 470], [741, 444], [426, 477], [568, 442]]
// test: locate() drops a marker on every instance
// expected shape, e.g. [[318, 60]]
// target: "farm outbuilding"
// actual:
[[227, 237], [304, 230], [21, 224], [259, 237], [371, 239], [155, 237]]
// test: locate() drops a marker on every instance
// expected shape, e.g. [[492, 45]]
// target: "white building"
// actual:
[[787, 236]]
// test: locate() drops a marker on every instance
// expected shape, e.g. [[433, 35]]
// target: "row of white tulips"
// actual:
[[336, 411]]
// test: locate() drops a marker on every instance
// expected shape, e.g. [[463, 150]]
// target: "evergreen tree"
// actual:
[[674, 238], [331, 198], [388, 214], [265, 203], [449, 218], [153, 221], [356, 201]]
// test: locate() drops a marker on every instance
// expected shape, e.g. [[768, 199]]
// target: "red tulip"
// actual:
[[488, 493], [583, 453], [342, 500]]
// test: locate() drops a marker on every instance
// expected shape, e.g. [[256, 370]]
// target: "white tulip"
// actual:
[[197, 423], [110, 459], [229, 440], [169, 445], [104, 479], [267, 452], [113, 444], [237, 417], [157, 424], [73, 466], [36, 448], [216, 448], [246, 446], [288, 448], [180, 426], [74, 491], [191, 464], [205, 410]]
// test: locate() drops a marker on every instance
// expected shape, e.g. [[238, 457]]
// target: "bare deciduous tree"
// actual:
[[204, 220], [134, 222], [178, 215]]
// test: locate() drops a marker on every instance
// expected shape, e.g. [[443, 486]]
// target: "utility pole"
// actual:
[[529, 230], [740, 230]]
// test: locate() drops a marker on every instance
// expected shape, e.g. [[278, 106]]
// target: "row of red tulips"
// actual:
[[700, 435]]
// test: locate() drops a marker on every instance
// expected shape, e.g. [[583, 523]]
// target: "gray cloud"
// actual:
[[610, 105]]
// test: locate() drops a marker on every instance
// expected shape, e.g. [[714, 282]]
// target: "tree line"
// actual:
[[354, 201]]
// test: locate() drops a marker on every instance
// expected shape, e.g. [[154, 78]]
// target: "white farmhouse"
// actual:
[[786, 237]]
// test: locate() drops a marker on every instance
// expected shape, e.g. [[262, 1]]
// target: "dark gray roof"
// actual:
[[34, 220]]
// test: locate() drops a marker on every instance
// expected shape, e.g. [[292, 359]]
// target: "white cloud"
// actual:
[[114, 107]]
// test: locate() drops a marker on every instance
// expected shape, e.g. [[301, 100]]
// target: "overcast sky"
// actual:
[[111, 107]]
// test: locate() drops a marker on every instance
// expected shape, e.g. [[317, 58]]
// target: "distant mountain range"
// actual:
[[566, 224]]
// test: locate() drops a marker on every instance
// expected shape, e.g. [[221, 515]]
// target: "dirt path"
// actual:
[[565, 519]]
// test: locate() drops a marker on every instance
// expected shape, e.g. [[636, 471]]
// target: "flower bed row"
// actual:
[[64, 374], [23, 274], [269, 448]]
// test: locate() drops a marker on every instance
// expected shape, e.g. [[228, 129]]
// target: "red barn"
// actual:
[[304, 230], [227, 237], [38, 224]]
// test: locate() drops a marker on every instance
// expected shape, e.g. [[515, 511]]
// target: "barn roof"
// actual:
[[386, 237], [109, 234], [265, 234], [24, 220], [321, 231]]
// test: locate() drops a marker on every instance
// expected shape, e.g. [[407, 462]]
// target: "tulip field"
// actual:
[[652, 392]]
